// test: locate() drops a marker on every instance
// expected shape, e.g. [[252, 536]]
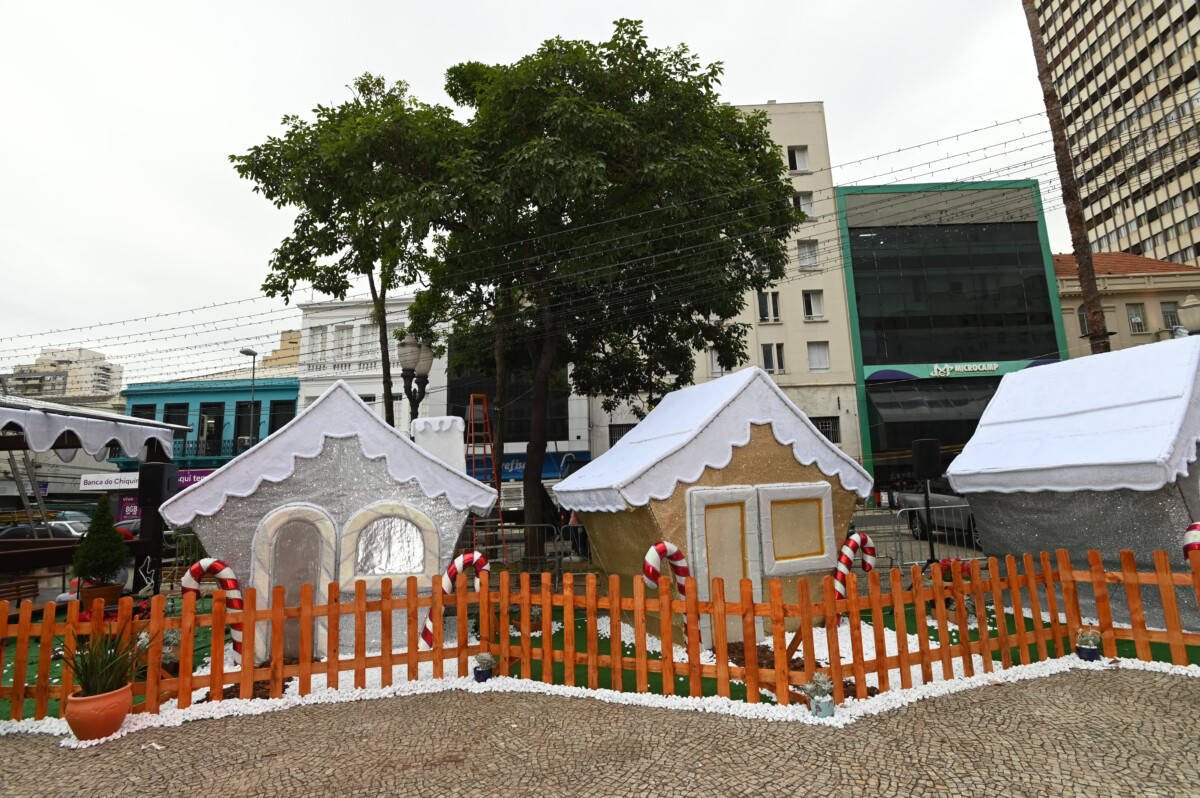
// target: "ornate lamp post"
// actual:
[[1189, 313], [415, 358]]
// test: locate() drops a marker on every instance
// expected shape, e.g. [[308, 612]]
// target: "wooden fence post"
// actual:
[[854, 616], [720, 635], [900, 617], [249, 630], [360, 635], [1056, 629], [1137, 614], [832, 643], [985, 634], [333, 623], [1166, 589], [1001, 613], [593, 637], [877, 626], [693, 638], [526, 629], [616, 648], [439, 626], [187, 639], [278, 607], [412, 608], [639, 633], [385, 630], [666, 630], [750, 640], [569, 629], [460, 610], [1039, 626], [216, 649], [963, 621], [153, 656], [921, 614], [547, 604], [939, 610], [1103, 609], [1066, 576], [1014, 589], [41, 692], [779, 641], [306, 638]]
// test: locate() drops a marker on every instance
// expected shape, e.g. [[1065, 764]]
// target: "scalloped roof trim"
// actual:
[[42, 429], [274, 460]]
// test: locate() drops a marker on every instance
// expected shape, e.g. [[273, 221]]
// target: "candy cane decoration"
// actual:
[[856, 542], [652, 565], [1191, 539], [190, 583], [461, 562]]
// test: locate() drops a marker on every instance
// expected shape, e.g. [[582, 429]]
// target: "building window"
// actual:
[[143, 411], [798, 159], [818, 356], [806, 254], [316, 343], [814, 304], [618, 431], [828, 426], [176, 414], [768, 306], [1082, 313], [803, 200], [368, 341], [342, 337], [1170, 311], [1137, 317], [282, 411], [717, 368], [772, 355]]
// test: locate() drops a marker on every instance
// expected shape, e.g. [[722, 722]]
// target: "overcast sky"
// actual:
[[117, 199]]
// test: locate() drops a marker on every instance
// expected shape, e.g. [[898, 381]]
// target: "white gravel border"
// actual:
[[844, 715]]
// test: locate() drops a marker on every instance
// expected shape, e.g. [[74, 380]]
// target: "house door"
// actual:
[[295, 560], [723, 541]]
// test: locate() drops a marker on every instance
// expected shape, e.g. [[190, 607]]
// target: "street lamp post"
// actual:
[[250, 353], [415, 358], [1189, 313]]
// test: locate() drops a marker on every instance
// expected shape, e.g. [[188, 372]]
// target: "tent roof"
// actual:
[[698, 427], [1128, 419], [45, 423], [337, 413]]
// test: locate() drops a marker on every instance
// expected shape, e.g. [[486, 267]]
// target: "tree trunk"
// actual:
[[379, 299], [535, 451], [498, 403], [1097, 330]]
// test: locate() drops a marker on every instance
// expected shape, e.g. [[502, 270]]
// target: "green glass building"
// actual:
[[950, 286]]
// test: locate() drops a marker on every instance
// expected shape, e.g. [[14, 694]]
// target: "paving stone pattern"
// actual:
[[1115, 733]]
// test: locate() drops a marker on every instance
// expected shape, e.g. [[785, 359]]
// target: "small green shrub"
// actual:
[[106, 663], [1088, 638], [820, 686], [485, 661], [102, 551]]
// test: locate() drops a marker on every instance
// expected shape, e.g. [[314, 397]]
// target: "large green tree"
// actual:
[[358, 175], [614, 214]]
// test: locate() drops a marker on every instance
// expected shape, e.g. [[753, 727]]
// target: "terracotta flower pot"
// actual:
[[94, 716], [110, 593]]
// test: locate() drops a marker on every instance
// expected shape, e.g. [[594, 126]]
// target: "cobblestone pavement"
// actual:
[[1116, 733]]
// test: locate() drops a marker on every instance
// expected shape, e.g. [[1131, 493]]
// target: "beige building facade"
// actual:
[[799, 330], [1126, 73], [65, 372], [1141, 298]]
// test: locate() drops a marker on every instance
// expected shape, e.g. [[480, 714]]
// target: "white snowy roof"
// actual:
[[337, 413], [1128, 419], [44, 422], [698, 427]]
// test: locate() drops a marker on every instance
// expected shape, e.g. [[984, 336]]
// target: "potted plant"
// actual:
[[1087, 645], [483, 667], [104, 670], [99, 559], [820, 695]]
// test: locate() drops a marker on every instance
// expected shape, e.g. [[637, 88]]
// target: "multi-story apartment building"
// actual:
[[1141, 298], [798, 331], [952, 286], [65, 372], [1126, 73]]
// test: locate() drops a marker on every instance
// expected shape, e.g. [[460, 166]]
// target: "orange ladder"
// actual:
[[479, 447]]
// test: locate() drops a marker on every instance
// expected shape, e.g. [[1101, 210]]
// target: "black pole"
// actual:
[[929, 527]]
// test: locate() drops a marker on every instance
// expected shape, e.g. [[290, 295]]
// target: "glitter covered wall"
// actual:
[[1107, 521], [340, 481]]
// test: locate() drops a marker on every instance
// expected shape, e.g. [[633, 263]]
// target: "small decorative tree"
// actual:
[[102, 551]]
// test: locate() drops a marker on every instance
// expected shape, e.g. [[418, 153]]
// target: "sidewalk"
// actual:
[[1111, 733]]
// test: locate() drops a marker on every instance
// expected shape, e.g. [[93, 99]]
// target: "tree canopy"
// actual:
[[600, 209]]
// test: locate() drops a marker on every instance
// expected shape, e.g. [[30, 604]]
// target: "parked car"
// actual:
[[54, 529], [949, 512]]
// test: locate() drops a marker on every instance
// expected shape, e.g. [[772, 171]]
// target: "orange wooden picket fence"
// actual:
[[1038, 583]]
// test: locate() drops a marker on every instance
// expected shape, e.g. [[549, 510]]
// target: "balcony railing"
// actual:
[[212, 447]]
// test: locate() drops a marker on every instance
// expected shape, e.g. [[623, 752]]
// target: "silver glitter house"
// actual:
[[1094, 453], [336, 495]]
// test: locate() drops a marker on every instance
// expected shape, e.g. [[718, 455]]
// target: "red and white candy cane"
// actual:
[[461, 563], [652, 565], [1191, 539], [190, 583], [858, 541]]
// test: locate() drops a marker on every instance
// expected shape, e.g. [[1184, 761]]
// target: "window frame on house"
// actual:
[[816, 346], [618, 431], [177, 413], [798, 158], [814, 305], [768, 307], [715, 365], [1170, 316], [829, 426], [803, 201], [808, 255], [1136, 313], [146, 411], [1081, 312], [772, 359]]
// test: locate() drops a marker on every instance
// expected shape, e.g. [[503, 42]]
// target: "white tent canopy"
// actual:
[[65, 429], [696, 428], [1128, 419], [337, 413]]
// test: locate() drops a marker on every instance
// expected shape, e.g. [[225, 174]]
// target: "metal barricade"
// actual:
[[951, 532]]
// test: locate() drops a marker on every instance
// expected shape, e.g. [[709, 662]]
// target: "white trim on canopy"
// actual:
[[44, 425]]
